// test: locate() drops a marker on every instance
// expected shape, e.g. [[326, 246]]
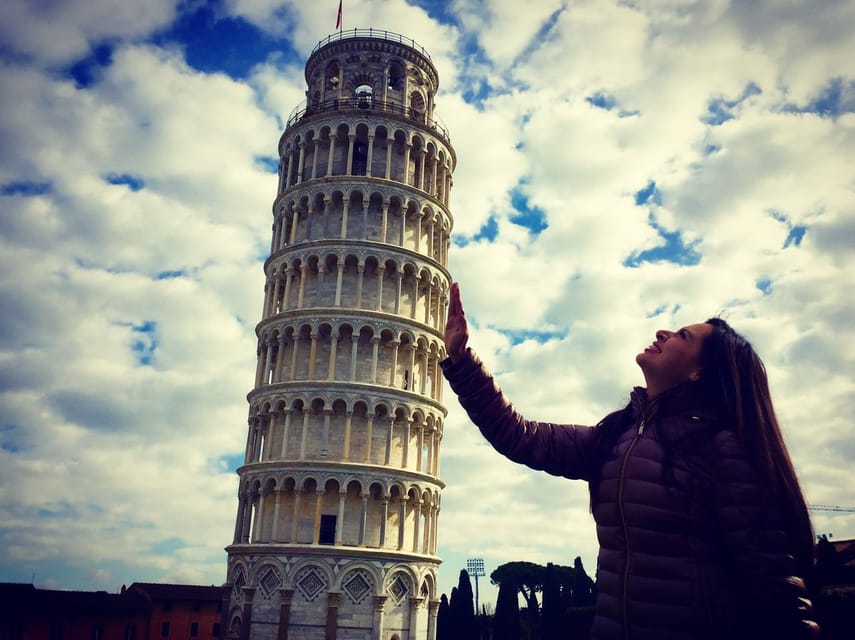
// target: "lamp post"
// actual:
[[475, 568]]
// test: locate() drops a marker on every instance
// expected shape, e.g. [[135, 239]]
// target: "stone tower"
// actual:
[[339, 493]]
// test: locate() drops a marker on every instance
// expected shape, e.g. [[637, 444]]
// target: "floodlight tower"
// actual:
[[475, 569], [339, 493]]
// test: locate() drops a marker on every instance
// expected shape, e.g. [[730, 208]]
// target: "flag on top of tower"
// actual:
[[338, 18]]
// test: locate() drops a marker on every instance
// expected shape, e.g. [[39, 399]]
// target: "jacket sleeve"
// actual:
[[775, 597], [562, 450]]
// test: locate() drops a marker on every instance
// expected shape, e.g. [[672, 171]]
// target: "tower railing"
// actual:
[[380, 34], [361, 104]]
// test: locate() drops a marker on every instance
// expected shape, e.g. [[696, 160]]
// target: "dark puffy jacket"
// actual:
[[689, 547]]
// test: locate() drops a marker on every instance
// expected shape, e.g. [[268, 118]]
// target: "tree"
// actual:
[[443, 620], [506, 620], [463, 609], [583, 588], [552, 610]]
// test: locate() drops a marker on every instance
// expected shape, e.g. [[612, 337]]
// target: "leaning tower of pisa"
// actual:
[[339, 493]]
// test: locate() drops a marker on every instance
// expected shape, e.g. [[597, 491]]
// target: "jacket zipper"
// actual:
[[625, 531]]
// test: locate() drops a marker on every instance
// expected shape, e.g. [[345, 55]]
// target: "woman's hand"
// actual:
[[456, 328]]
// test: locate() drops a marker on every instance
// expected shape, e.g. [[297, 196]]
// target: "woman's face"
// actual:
[[674, 357]]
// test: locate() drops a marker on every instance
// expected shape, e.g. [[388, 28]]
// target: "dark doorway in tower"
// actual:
[[327, 534]]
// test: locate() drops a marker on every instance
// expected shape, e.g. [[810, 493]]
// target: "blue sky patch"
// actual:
[[134, 183], [765, 286], [540, 337], [720, 110], [673, 249], [216, 42], [7, 442], [85, 72], [658, 311], [532, 218], [270, 164], [145, 344], [170, 275], [648, 195], [231, 462], [795, 232], [833, 100], [602, 101], [488, 231], [24, 188], [168, 545]]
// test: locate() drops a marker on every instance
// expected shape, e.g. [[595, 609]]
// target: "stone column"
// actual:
[[389, 441], [313, 354], [314, 159], [345, 207], [300, 163], [316, 527], [375, 348], [330, 157], [284, 612], [348, 419], [415, 609], [290, 166], [363, 519], [339, 523], [370, 155], [381, 270], [338, 281], [405, 178], [295, 520], [384, 221], [360, 269], [333, 347], [285, 430], [369, 436], [402, 522], [257, 530], [305, 434], [295, 340], [393, 375], [417, 522], [333, 600], [303, 268], [354, 347], [351, 138], [274, 534], [400, 277], [384, 514], [246, 616], [433, 613], [288, 277], [377, 627]]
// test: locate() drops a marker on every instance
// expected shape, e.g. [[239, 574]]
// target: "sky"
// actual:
[[623, 166]]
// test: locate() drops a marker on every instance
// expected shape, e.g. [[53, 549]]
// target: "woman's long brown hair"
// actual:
[[734, 380]]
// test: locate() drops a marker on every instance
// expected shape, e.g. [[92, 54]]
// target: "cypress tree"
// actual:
[[463, 605], [551, 613], [443, 620], [506, 619]]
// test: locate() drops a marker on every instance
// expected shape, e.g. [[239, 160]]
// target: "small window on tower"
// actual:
[[364, 96]]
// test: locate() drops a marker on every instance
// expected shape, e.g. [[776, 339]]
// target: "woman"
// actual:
[[702, 526]]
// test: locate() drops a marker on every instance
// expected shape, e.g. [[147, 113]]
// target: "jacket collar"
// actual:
[[684, 398]]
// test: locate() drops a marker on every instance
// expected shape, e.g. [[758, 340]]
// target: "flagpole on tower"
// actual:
[[338, 19]]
